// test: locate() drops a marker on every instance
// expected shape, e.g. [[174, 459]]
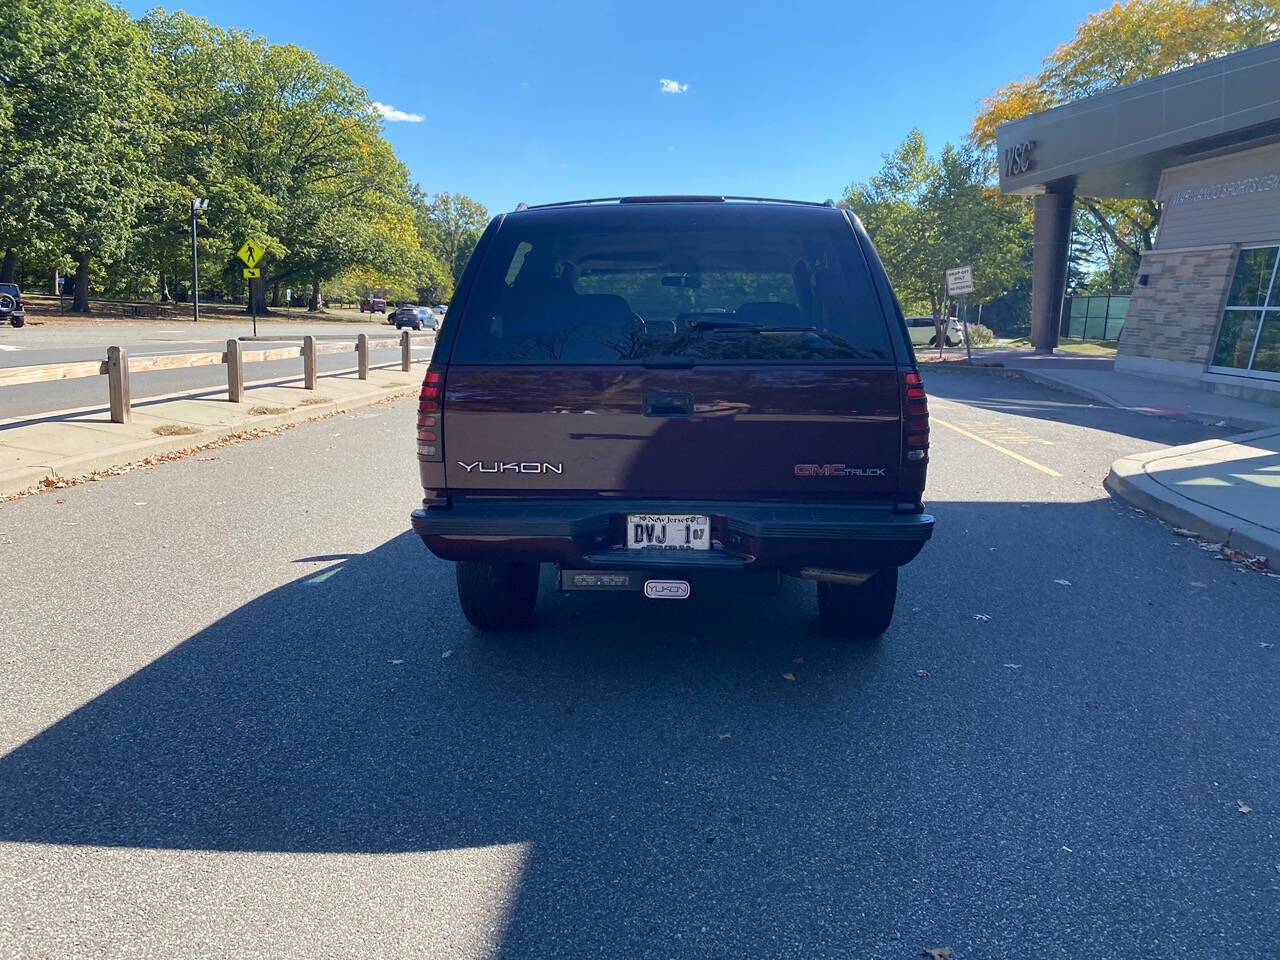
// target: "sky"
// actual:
[[545, 100]]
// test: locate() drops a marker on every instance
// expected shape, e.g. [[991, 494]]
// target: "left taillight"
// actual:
[[431, 416], [916, 420]]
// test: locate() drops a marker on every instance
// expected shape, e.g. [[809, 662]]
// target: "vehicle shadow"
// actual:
[[699, 778], [1010, 394]]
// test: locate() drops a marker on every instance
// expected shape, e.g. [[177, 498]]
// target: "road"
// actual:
[[242, 716], [63, 342]]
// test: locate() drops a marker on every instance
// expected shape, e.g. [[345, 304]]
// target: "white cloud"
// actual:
[[392, 115], [672, 86]]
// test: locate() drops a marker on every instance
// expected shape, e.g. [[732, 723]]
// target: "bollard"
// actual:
[[118, 383], [362, 355], [406, 350], [309, 362], [235, 372]]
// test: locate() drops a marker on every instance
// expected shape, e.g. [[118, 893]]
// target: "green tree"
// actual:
[[80, 121], [1122, 44], [450, 225], [926, 214]]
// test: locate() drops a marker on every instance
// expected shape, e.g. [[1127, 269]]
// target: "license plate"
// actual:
[[668, 531]]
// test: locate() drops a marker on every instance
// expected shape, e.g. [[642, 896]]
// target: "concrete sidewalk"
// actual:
[[74, 443], [1095, 379], [1226, 490]]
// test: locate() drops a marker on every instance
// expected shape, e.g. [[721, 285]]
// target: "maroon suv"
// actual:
[[674, 395]]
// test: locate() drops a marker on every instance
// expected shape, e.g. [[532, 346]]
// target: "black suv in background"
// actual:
[[11, 307], [670, 396]]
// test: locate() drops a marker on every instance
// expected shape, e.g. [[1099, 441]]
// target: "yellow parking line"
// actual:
[[995, 446]]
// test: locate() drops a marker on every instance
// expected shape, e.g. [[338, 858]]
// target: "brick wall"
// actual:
[[1175, 316]]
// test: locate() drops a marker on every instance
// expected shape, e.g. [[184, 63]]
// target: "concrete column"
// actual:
[[1052, 231]]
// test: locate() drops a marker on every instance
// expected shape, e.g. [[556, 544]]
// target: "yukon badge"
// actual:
[[512, 466]]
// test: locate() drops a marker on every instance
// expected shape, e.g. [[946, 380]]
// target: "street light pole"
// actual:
[[197, 207]]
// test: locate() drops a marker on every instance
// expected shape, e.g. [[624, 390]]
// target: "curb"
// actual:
[[20, 482], [1128, 480]]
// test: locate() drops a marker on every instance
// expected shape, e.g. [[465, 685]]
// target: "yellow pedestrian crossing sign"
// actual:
[[252, 273], [250, 253]]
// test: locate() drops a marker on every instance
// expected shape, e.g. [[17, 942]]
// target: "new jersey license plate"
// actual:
[[668, 531]]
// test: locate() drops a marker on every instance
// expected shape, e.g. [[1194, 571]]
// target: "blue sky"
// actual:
[[543, 100]]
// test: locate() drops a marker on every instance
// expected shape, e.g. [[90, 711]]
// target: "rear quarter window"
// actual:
[[705, 283]]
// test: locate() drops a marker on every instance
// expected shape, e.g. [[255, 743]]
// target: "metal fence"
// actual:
[[1094, 318]]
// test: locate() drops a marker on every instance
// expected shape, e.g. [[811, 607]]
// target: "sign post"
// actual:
[[959, 283], [198, 207], [251, 254]]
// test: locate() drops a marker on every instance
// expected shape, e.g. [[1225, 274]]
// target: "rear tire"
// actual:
[[861, 612], [497, 596], [17, 321]]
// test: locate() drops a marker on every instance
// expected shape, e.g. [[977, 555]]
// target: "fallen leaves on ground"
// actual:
[[446, 655], [1012, 666], [789, 676], [985, 618], [1243, 807], [922, 673], [175, 430], [937, 953], [1247, 559], [725, 735], [1063, 583], [228, 440]]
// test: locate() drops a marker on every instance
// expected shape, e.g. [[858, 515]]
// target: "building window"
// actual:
[[1249, 338]]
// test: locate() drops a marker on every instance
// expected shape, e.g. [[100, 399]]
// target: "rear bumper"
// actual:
[[746, 536]]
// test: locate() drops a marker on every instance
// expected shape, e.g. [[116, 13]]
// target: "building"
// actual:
[[1205, 143]]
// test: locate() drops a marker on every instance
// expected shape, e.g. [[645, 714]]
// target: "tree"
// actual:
[[78, 114], [1125, 43], [927, 214], [450, 225]]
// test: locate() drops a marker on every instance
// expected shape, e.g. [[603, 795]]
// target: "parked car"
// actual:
[[610, 399], [373, 305], [407, 315], [11, 306], [429, 319], [923, 331]]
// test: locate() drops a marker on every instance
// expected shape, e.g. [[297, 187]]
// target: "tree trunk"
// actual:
[[315, 303], [164, 287], [10, 266], [53, 287], [81, 302], [257, 297], [275, 294]]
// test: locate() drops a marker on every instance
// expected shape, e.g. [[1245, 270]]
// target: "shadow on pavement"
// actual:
[[1010, 394], [677, 793]]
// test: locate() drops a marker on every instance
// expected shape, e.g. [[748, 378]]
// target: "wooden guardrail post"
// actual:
[[406, 350], [118, 383], [362, 355], [235, 372], [309, 362]]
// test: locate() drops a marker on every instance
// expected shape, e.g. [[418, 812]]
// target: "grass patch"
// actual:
[[175, 430], [312, 401], [267, 411]]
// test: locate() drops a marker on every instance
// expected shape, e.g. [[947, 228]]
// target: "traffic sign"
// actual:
[[959, 281], [250, 253], [252, 273]]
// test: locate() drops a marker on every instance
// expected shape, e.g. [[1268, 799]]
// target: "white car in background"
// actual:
[[923, 333]]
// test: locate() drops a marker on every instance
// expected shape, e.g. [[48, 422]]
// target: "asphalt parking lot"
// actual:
[[241, 715]]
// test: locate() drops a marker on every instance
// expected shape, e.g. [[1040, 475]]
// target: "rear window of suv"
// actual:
[[707, 283]]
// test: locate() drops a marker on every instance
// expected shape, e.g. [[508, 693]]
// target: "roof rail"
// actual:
[[675, 198], [521, 206]]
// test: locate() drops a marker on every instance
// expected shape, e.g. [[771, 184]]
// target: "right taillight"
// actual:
[[430, 406], [916, 425]]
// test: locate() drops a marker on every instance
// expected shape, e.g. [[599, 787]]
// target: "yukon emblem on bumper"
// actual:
[[512, 466], [667, 589]]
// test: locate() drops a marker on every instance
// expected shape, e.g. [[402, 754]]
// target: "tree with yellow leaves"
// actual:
[[1125, 43]]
